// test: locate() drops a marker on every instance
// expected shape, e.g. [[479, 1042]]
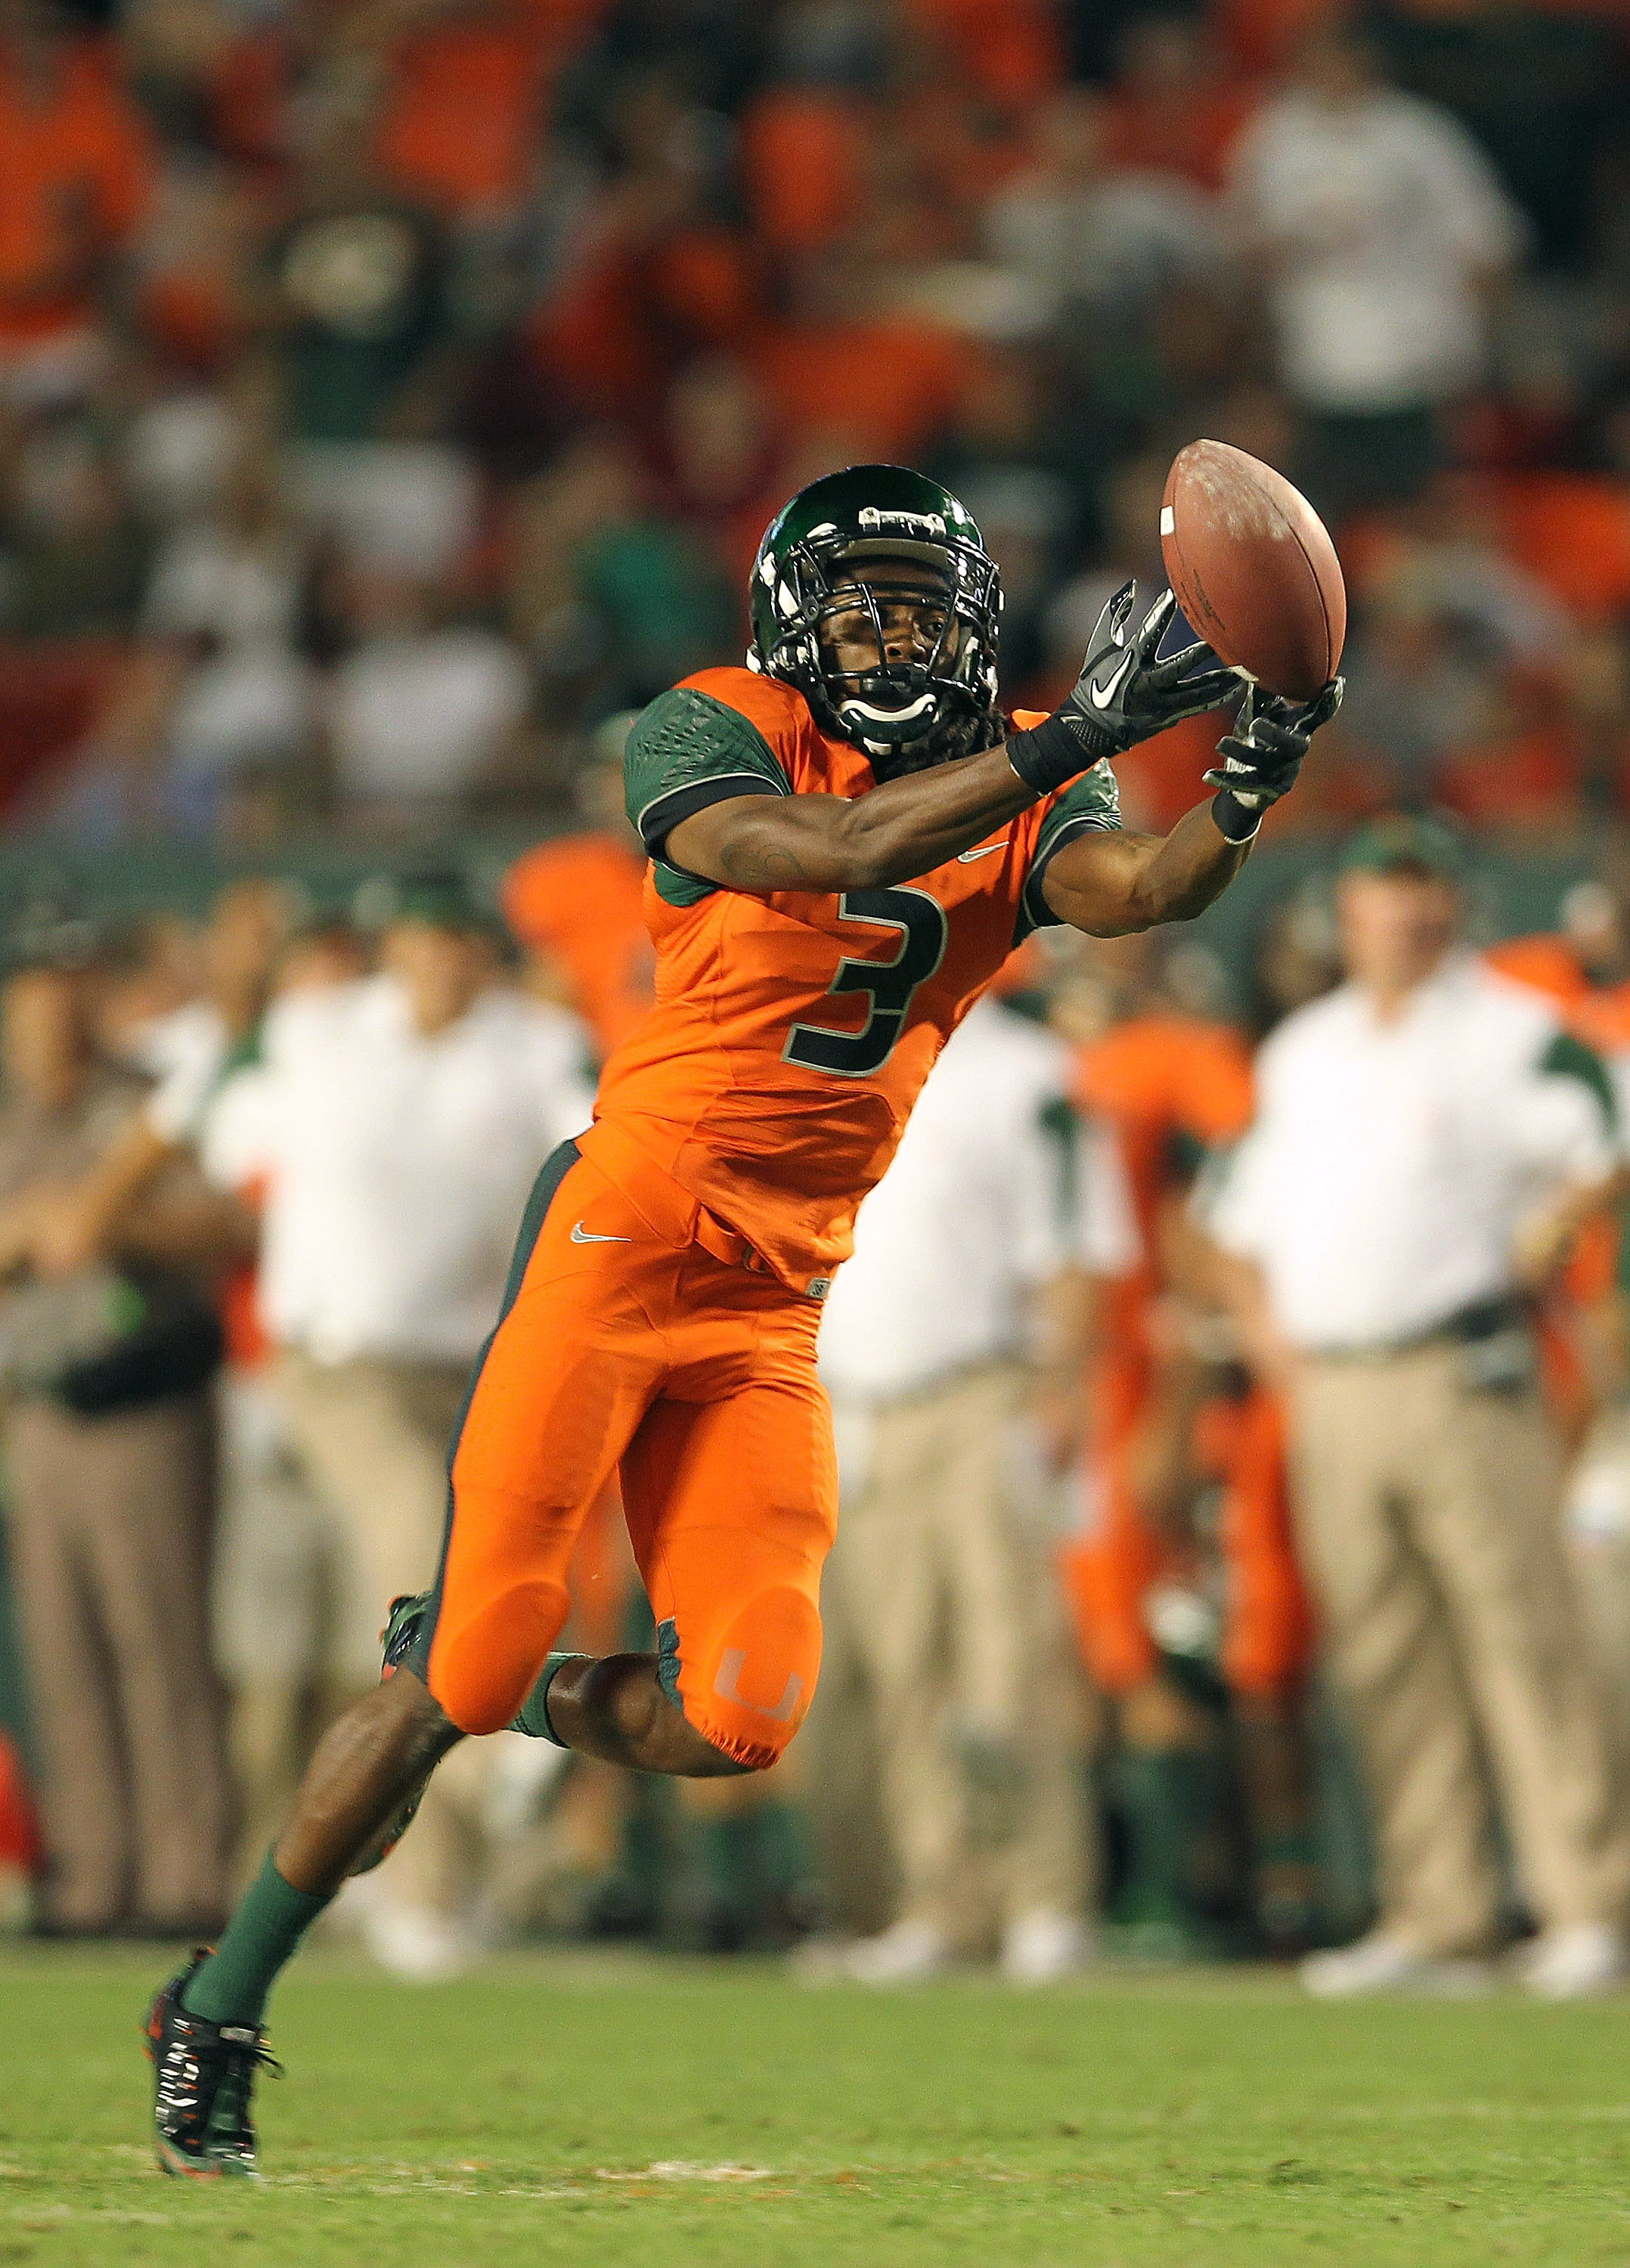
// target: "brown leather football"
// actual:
[[1253, 568]]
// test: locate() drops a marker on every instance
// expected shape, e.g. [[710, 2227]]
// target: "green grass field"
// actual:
[[620, 2111]]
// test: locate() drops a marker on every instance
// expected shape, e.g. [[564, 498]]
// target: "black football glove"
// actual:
[[1262, 755], [1125, 694]]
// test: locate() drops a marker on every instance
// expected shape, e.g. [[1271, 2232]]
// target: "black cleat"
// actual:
[[399, 1637], [402, 1625], [204, 2077]]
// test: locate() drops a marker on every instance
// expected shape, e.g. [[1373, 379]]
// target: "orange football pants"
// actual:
[[1267, 1642], [639, 1334]]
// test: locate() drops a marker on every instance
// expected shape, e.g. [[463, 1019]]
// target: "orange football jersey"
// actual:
[[792, 1030], [1160, 1078]]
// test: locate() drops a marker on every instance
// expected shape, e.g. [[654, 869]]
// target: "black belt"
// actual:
[[1469, 1326]]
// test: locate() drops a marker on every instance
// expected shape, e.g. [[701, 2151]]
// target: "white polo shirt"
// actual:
[[397, 1167], [994, 1189], [1391, 1164], [1386, 214], [185, 1052]]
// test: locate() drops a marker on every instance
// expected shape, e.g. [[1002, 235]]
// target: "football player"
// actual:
[[846, 838]]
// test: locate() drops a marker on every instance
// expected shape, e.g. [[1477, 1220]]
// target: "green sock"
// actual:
[[532, 1715], [233, 1985]]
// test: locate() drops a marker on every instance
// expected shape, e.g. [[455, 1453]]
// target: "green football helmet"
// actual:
[[905, 715]]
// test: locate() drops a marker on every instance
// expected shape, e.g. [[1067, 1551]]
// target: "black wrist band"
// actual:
[[1231, 819], [1050, 754]]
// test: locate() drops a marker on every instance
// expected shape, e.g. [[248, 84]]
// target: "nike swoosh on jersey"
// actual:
[[967, 857], [581, 1235], [1101, 697]]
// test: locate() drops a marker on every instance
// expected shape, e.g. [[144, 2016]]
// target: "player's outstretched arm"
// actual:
[[1112, 884], [903, 829], [907, 826]]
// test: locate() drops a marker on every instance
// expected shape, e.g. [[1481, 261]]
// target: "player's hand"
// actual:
[[1124, 695], [1263, 755]]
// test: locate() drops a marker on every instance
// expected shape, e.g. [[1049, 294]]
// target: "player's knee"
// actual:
[[749, 1688], [482, 1666]]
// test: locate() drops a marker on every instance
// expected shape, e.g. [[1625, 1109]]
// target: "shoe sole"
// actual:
[[172, 2160]]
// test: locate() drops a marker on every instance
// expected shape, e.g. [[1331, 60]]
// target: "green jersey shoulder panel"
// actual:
[[687, 750], [1089, 806]]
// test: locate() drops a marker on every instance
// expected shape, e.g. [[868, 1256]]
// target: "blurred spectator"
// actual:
[[273, 1552], [73, 555], [368, 353], [1543, 89], [1085, 230], [1381, 230], [969, 1266], [614, 599], [1023, 479], [361, 324], [846, 363], [109, 1455], [1453, 639], [577, 904], [1584, 968], [1382, 1213], [184, 1046], [656, 270], [223, 606], [75, 177], [1176, 1430], [1172, 111], [397, 1125], [422, 712], [1295, 958], [721, 453]]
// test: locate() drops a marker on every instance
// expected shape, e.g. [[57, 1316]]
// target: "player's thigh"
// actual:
[[732, 1508], [564, 1382]]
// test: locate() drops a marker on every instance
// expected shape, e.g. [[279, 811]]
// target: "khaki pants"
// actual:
[[110, 1538], [372, 1438], [951, 1605], [1429, 1516]]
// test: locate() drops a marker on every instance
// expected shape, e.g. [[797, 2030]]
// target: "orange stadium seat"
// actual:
[[1530, 781], [889, 386], [461, 115], [1009, 49], [1259, 35], [801, 156], [1571, 530], [76, 176]]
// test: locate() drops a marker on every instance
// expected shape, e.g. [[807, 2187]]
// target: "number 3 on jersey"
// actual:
[[923, 928]]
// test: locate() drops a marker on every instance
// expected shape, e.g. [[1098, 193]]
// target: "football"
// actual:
[[1253, 568]]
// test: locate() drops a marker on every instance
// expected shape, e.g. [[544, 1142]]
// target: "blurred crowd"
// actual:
[[392, 390], [1230, 1388], [392, 396]]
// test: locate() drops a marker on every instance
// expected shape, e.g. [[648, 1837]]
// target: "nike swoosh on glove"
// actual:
[[1264, 753], [1124, 695]]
